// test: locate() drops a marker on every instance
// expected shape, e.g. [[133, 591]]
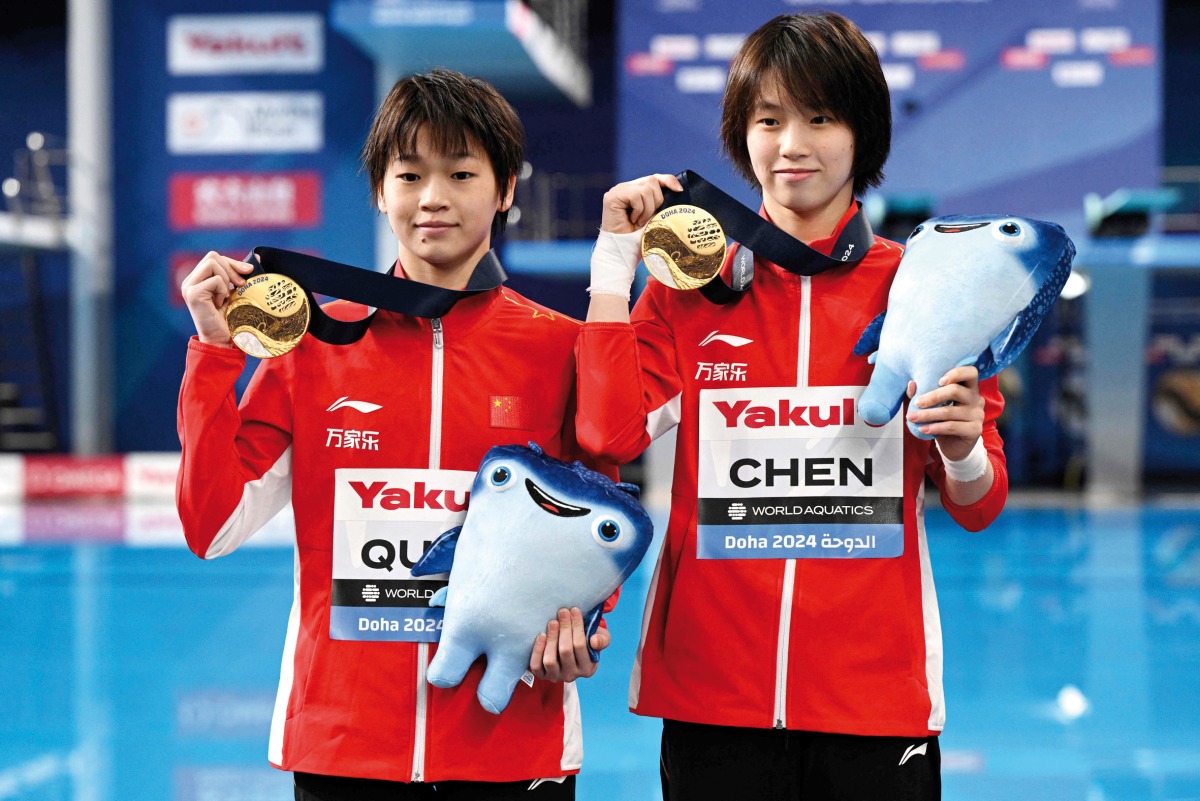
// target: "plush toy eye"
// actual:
[[1010, 232], [916, 232], [606, 531], [501, 477]]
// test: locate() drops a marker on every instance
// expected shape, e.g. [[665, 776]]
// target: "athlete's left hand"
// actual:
[[959, 423], [561, 653]]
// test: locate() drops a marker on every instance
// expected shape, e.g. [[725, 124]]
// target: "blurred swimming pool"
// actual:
[[1072, 642]]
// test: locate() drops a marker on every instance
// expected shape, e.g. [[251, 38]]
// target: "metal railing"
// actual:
[[554, 205], [35, 221], [37, 186]]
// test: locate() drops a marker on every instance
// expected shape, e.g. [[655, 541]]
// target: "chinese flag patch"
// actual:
[[510, 411]]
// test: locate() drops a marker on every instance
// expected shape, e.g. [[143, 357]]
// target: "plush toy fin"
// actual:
[[592, 619], [883, 396], [1009, 343], [632, 489], [988, 363], [869, 341], [450, 664], [439, 597], [500, 678], [440, 555]]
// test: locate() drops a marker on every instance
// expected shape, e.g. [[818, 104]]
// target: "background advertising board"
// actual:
[[236, 127], [1014, 107], [221, 44], [245, 122]]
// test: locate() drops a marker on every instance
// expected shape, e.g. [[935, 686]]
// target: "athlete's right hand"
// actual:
[[206, 290], [629, 206], [627, 209]]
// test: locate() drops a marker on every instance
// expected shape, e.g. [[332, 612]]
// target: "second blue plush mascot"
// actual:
[[969, 290], [540, 535]]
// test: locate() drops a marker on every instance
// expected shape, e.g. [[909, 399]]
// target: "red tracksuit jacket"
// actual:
[[497, 369], [834, 645]]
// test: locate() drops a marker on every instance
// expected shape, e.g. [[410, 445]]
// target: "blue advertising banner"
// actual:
[[236, 125], [1017, 107]]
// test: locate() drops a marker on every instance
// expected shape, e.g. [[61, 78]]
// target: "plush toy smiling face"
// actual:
[[540, 535], [515, 482]]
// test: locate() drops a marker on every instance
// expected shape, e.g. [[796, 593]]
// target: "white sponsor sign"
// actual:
[[1105, 40], [245, 122], [1053, 41], [700, 79], [676, 47], [722, 46], [12, 477], [151, 476], [1077, 74], [910, 44], [221, 44], [899, 76]]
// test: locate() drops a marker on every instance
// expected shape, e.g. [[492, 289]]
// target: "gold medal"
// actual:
[[683, 247], [268, 315]]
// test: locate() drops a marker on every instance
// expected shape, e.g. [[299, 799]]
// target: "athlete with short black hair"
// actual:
[[783, 667], [353, 436]]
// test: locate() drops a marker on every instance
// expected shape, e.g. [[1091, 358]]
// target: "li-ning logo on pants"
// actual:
[[912, 751]]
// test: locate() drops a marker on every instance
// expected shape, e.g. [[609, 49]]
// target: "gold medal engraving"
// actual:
[[268, 315], [683, 247]]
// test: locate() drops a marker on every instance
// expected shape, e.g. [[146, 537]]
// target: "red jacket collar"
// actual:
[[825, 244]]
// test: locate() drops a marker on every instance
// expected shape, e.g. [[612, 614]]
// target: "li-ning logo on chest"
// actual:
[[352, 438]]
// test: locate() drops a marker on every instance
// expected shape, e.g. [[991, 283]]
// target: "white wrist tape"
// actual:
[[970, 467], [614, 261]]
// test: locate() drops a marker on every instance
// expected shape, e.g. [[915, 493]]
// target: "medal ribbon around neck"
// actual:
[[755, 234], [257, 328]]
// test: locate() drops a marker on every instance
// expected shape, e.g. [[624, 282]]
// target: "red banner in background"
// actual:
[[244, 200], [72, 476]]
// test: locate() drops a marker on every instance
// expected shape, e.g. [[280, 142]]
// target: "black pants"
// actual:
[[720, 762], [314, 787]]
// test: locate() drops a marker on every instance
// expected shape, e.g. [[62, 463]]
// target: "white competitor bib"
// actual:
[[383, 521], [790, 473]]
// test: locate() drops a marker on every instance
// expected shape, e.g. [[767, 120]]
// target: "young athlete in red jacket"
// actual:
[[785, 678], [360, 435]]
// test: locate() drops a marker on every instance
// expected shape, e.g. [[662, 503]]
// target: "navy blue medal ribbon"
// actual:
[[757, 235], [381, 290]]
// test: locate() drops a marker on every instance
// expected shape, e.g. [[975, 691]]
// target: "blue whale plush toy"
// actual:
[[540, 535], [969, 290]]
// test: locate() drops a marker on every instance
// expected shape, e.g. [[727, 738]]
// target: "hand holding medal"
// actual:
[[683, 243], [263, 315], [268, 315]]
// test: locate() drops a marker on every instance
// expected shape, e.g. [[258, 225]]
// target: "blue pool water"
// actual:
[[1072, 644]]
